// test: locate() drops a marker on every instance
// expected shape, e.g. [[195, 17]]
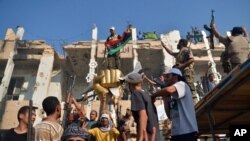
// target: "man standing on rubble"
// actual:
[[184, 62], [236, 47]]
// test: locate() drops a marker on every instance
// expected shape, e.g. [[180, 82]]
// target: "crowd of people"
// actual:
[[140, 121]]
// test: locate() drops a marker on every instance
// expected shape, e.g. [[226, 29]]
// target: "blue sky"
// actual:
[[66, 21]]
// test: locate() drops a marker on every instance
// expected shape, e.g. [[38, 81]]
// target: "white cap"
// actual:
[[105, 116], [112, 27], [174, 70]]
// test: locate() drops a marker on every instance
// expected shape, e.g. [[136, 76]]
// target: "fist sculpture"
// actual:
[[107, 80]]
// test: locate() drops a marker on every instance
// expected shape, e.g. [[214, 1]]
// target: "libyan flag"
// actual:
[[118, 45]]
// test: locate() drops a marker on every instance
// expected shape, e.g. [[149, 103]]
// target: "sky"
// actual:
[[66, 21]]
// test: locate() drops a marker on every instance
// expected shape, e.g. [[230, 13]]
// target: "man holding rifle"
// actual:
[[236, 47]]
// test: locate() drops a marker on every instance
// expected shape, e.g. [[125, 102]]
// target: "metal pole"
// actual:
[[29, 138], [211, 124]]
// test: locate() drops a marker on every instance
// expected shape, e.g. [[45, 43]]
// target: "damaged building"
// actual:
[[33, 70]]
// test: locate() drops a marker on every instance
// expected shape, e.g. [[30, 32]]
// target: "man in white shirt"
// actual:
[[182, 111]]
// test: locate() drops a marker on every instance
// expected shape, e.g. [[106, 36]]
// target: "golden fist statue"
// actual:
[[108, 79]]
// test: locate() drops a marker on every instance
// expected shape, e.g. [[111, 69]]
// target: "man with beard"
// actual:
[[49, 129], [182, 113], [106, 131]]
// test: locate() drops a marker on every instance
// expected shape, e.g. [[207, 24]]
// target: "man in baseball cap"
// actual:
[[141, 106], [181, 104], [174, 71], [134, 78], [112, 28]]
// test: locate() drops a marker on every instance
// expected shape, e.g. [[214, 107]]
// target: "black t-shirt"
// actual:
[[140, 101], [13, 136]]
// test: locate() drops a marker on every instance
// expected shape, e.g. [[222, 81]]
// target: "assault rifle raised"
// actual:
[[211, 35]]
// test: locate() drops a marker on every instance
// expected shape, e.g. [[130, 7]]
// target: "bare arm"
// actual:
[[167, 49], [142, 135], [153, 135], [167, 91], [216, 33], [149, 80], [78, 106]]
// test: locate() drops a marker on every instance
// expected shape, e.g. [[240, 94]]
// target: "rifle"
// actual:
[[104, 56], [85, 98], [209, 29], [69, 91], [67, 103], [119, 115]]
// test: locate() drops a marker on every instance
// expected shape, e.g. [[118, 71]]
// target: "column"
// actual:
[[43, 77]]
